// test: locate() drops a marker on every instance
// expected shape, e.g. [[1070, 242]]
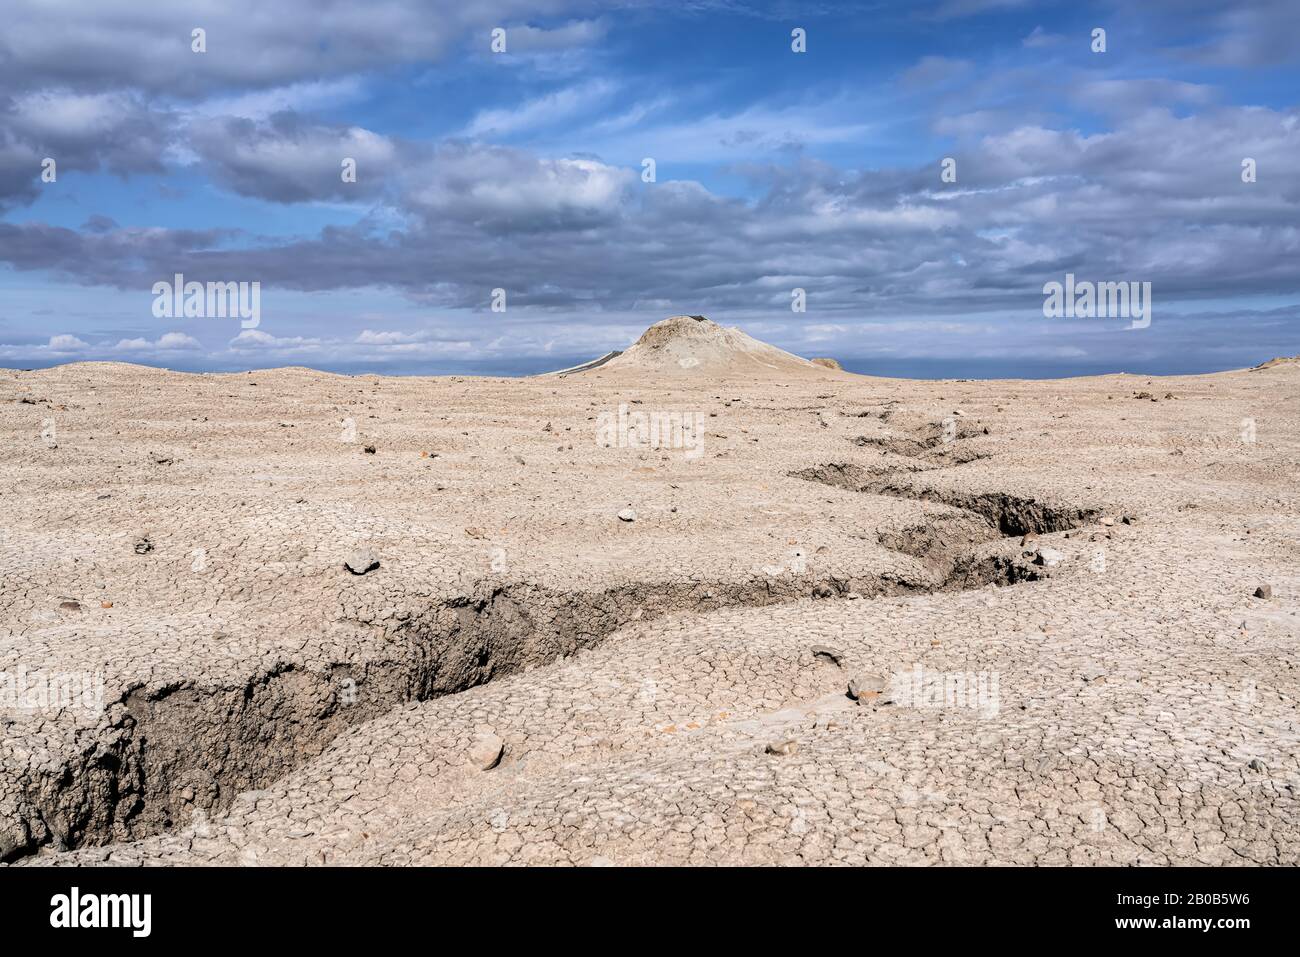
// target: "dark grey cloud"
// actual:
[[116, 132], [289, 159], [98, 44], [1256, 33], [1028, 206], [498, 190]]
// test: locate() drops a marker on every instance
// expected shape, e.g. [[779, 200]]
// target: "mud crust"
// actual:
[[165, 754]]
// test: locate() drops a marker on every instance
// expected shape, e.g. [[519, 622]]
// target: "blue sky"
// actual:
[[775, 170]]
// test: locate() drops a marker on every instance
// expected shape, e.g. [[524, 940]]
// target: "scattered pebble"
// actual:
[[1049, 557], [358, 563], [867, 686], [627, 515], [486, 751]]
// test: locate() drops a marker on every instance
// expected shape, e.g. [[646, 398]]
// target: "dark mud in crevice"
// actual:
[[1007, 514], [167, 754], [946, 545], [949, 544]]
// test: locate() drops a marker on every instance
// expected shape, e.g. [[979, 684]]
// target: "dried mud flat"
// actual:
[[525, 677]]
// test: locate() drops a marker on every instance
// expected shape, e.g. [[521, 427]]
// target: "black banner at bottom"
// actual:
[[333, 906]]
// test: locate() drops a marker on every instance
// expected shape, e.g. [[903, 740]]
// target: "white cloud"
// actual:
[[496, 186], [64, 114], [558, 107], [178, 340], [1039, 38], [167, 342], [529, 39], [301, 97], [100, 43], [66, 343], [743, 135], [372, 338], [256, 339]]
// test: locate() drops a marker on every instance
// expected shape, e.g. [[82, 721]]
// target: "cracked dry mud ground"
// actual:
[[186, 541]]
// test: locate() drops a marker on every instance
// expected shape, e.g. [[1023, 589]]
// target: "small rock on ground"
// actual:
[[358, 563], [486, 751], [866, 685], [1049, 557]]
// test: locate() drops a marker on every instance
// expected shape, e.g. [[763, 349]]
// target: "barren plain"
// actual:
[[701, 604]]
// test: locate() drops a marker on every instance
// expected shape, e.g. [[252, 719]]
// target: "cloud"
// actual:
[[557, 107], [253, 340], [658, 130], [561, 234], [116, 132], [112, 44], [369, 337], [302, 97], [529, 39], [1039, 38], [287, 159], [500, 189], [168, 342], [66, 343], [1136, 95], [369, 347], [1257, 34]]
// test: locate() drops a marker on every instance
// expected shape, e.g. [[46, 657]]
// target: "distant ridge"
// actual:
[[583, 367], [1279, 361]]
